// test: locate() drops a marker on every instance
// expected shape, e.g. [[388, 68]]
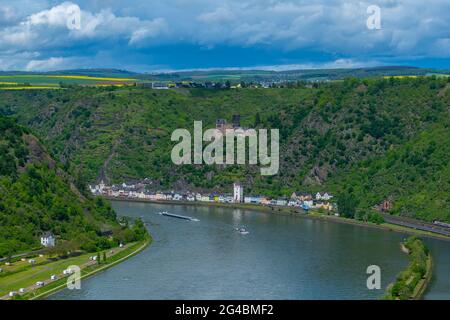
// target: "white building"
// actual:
[[292, 203], [238, 192], [204, 199], [177, 197], [327, 196], [48, 239]]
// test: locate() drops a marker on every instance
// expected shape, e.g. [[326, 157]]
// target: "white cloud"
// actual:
[[51, 29], [335, 64], [336, 28], [219, 15], [6, 13], [52, 63], [148, 31], [10, 60], [56, 16]]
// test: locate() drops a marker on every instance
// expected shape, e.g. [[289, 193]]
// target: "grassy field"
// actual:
[[128, 251], [36, 81], [22, 274], [25, 277], [31, 88], [21, 265]]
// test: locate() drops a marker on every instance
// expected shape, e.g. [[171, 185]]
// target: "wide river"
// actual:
[[283, 257]]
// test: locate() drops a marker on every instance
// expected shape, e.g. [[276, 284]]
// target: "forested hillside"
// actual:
[[380, 139], [414, 177], [37, 196]]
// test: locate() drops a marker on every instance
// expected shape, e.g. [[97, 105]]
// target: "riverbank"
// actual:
[[293, 211], [412, 283], [88, 269], [422, 286]]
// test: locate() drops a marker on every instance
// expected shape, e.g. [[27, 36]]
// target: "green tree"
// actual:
[[376, 218], [257, 119], [347, 204]]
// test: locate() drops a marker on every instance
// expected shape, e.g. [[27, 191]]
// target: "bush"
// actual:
[[376, 218], [347, 204]]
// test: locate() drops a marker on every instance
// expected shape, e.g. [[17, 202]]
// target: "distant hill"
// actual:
[[96, 72], [370, 137], [246, 75], [295, 75], [82, 72]]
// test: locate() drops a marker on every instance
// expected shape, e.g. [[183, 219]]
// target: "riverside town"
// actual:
[[301, 200]]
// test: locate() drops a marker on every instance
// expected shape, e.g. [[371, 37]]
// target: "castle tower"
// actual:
[[238, 192]]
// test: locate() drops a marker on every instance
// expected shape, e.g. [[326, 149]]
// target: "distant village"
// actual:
[[219, 84], [304, 201]]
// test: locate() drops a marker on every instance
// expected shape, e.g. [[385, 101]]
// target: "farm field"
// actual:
[[22, 274], [37, 81]]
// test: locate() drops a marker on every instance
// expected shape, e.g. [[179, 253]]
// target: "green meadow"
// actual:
[[38, 81]]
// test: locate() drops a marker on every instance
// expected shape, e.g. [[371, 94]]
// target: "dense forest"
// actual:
[[37, 195], [376, 139]]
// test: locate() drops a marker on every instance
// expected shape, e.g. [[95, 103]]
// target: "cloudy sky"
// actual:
[[155, 35]]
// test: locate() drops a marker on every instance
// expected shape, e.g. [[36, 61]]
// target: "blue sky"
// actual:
[[157, 35]]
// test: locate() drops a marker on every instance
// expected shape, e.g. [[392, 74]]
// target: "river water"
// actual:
[[283, 257]]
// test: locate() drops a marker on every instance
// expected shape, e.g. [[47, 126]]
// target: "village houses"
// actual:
[[302, 200]]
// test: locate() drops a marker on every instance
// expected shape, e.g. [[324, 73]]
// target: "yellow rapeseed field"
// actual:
[[92, 78]]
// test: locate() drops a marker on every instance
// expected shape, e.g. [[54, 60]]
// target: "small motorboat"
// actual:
[[173, 215], [242, 230]]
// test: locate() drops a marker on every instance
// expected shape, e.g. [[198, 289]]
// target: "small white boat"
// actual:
[[242, 230]]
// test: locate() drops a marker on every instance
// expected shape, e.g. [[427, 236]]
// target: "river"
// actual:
[[283, 257]]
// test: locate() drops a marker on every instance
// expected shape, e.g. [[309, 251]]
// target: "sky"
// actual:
[[161, 35]]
